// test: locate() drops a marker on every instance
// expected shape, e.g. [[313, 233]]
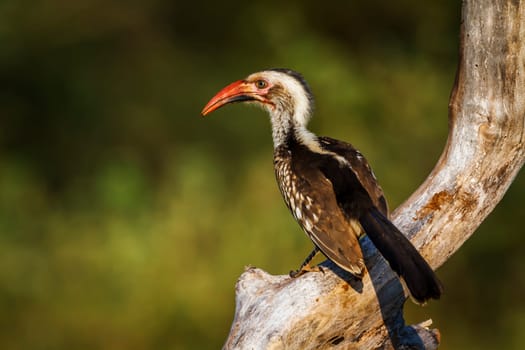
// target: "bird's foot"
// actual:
[[305, 266], [304, 269]]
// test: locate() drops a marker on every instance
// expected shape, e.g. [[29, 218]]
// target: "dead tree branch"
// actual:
[[483, 154]]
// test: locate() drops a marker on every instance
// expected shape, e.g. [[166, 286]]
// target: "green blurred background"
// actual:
[[125, 218]]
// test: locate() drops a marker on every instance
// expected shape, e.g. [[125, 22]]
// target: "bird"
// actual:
[[327, 184]]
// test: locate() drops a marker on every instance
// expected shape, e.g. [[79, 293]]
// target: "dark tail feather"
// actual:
[[402, 256]]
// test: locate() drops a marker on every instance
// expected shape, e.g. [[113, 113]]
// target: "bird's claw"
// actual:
[[305, 269]]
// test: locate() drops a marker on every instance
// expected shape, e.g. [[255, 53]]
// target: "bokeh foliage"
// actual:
[[125, 219]]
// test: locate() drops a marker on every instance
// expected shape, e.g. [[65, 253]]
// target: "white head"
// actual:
[[282, 92]]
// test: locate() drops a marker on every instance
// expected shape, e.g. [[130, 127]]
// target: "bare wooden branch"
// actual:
[[483, 154]]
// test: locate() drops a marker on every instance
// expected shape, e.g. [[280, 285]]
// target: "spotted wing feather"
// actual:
[[310, 196]]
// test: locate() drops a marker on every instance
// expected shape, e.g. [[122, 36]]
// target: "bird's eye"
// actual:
[[261, 84]]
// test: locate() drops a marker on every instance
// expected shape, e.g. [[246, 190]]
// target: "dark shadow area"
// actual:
[[400, 335], [346, 276]]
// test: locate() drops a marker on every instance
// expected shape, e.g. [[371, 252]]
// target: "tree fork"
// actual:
[[483, 154]]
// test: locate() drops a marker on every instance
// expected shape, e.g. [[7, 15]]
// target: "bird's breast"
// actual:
[[301, 205]]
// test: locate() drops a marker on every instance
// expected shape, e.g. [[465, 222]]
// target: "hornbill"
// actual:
[[327, 184]]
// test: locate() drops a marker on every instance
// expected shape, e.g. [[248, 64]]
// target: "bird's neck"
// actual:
[[286, 128]]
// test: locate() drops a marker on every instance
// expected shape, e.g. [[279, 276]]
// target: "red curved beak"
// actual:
[[239, 91]]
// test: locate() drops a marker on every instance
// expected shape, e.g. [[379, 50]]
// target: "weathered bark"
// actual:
[[483, 154]]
